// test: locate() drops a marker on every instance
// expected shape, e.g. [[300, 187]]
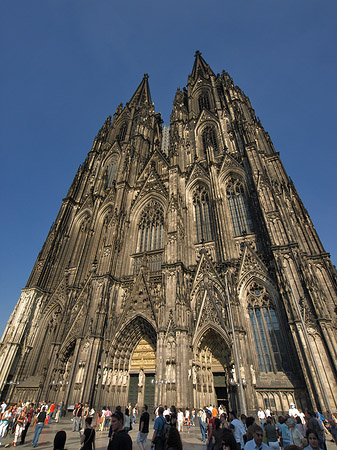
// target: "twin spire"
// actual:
[[142, 95]]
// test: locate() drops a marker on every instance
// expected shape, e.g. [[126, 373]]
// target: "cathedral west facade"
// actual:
[[182, 268]]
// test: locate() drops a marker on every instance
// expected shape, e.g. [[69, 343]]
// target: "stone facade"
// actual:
[[182, 268]]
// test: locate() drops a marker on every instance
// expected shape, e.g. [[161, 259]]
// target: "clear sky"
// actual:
[[67, 64]]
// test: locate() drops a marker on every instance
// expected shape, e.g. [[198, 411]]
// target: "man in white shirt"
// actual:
[[238, 429], [262, 417], [256, 443], [3, 407], [267, 413]]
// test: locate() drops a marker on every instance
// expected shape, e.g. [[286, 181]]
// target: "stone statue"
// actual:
[[194, 375], [114, 378], [141, 378], [252, 373], [125, 378]]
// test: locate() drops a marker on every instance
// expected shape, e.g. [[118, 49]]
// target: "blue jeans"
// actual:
[[38, 429], [202, 429], [76, 424]]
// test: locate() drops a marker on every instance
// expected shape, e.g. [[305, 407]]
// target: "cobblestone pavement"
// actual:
[[190, 440]]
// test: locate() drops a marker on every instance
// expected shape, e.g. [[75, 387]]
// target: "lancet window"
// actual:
[[150, 227], [203, 101], [111, 171], [122, 132], [209, 139], [202, 214], [266, 330], [238, 208]]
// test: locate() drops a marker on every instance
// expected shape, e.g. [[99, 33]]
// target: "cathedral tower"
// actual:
[[182, 268]]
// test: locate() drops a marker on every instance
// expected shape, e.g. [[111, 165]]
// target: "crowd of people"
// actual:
[[296, 430]]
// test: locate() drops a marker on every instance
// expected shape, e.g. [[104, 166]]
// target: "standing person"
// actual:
[[256, 442], [143, 428], [174, 416], [301, 426], [284, 432], [107, 418], [158, 437], [19, 425], [202, 423], [77, 417], [270, 433], [28, 421], [39, 425], [193, 417], [127, 422], [262, 417], [5, 419], [238, 429], [120, 440], [214, 412], [102, 419], [180, 420], [134, 413], [88, 436], [295, 434]]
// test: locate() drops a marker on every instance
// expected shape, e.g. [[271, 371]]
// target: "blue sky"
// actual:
[[66, 65]]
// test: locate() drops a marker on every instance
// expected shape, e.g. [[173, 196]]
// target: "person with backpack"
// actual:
[[160, 428]]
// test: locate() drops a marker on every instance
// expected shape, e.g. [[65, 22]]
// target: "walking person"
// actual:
[[270, 433], [238, 429], [143, 428], [41, 417], [127, 421], [120, 440], [158, 437], [88, 436], [28, 421]]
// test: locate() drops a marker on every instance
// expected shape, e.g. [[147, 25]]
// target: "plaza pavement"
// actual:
[[191, 440]]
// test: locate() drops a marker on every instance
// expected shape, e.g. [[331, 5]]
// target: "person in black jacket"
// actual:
[[120, 440]]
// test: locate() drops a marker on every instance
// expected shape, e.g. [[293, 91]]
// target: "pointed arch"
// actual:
[[130, 335], [203, 100], [202, 213], [150, 227], [238, 207], [266, 331], [209, 139]]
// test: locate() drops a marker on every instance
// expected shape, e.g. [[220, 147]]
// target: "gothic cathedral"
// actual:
[[182, 268]]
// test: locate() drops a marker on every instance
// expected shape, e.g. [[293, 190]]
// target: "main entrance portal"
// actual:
[[210, 370], [142, 373]]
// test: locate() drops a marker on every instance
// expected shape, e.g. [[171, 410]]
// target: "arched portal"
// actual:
[[210, 369], [142, 373], [131, 365]]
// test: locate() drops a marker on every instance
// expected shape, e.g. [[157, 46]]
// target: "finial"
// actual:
[[197, 53], [146, 76]]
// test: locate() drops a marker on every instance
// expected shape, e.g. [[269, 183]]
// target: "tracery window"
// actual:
[[111, 171], [271, 351], [203, 101], [209, 139], [202, 213], [238, 208], [122, 132], [150, 227]]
